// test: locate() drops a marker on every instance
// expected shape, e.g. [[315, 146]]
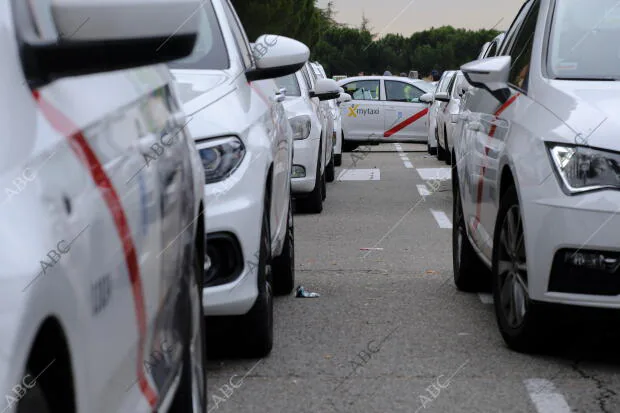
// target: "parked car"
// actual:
[[312, 137], [245, 141], [537, 177], [384, 109], [435, 107], [334, 115], [447, 118], [102, 218], [491, 48], [328, 108]]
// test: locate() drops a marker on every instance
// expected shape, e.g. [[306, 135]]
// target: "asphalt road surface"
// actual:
[[390, 332]]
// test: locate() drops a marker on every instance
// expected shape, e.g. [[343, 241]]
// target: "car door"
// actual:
[[405, 116], [363, 118], [486, 130]]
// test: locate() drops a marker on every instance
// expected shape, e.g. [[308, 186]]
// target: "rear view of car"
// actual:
[[102, 221]]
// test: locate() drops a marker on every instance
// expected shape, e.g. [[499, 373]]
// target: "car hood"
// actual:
[[295, 106], [589, 108], [199, 91]]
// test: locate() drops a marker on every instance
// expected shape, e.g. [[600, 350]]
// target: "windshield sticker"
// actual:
[[567, 66]]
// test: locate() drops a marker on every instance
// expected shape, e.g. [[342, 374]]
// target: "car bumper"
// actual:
[[235, 207], [305, 155], [560, 227]]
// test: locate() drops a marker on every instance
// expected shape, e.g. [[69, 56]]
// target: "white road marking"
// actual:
[[442, 219], [545, 396], [360, 175], [408, 165], [435, 173], [423, 190], [398, 147], [486, 298]]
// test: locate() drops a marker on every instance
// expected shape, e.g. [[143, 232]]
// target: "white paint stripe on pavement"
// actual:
[[360, 175], [545, 396], [423, 190], [435, 173], [442, 219], [408, 165], [486, 298], [398, 147]]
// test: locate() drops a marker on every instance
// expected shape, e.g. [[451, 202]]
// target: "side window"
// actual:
[[240, 38], [514, 28], [451, 84], [363, 89], [521, 52], [445, 83], [402, 92], [306, 76]]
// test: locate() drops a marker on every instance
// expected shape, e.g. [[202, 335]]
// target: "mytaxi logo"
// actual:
[[352, 111]]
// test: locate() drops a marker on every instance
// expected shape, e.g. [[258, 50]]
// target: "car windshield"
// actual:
[[290, 83], [210, 50], [584, 40]]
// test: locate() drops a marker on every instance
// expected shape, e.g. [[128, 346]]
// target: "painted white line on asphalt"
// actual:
[[486, 298], [435, 173], [398, 147], [442, 219], [360, 175], [423, 190], [545, 396], [408, 165]]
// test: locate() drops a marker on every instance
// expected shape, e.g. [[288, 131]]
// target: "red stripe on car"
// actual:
[[87, 156], [405, 123], [483, 168]]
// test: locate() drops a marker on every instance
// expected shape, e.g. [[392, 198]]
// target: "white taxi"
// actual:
[[245, 142], [537, 174], [102, 222], [384, 109]]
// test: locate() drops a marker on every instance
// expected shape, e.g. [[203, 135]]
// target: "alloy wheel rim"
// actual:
[[512, 269]]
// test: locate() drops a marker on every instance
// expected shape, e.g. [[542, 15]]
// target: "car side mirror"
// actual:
[[81, 37], [442, 97], [325, 89], [277, 56], [344, 97], [427, 98], [491, 74]]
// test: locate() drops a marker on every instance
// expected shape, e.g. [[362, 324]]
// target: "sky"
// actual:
[[409, 16]]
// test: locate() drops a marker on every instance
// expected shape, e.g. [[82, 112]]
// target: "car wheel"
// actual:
[[469, 271], [313, 203], [430, 149], [519, 319], [349, 146], [284, 265], [258, 322], [323, 187], [448, 154], [337, 160], [441, 154], [330, 170], [191, 396], [33, 401]]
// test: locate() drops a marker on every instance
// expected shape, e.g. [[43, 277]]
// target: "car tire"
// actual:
[[284, 265], [191, 396], [33, 401], [323, 187], [448, 157], [348, 146], [313, 202], [441, 153], [257, 324], [330, 170], [430, 150], [469, 271], [337, 160], [520, 321]]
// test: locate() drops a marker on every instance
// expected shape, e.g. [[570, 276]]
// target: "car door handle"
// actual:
[[176, 120], [145, 143], [280, 97]]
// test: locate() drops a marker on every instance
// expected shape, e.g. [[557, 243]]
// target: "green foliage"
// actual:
[[346, 51]]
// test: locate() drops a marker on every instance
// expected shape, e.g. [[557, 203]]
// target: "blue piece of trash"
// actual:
[[302, 293]]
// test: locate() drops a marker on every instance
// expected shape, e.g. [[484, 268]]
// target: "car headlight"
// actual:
[[220, 157], [301, 126], [584, 169]]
